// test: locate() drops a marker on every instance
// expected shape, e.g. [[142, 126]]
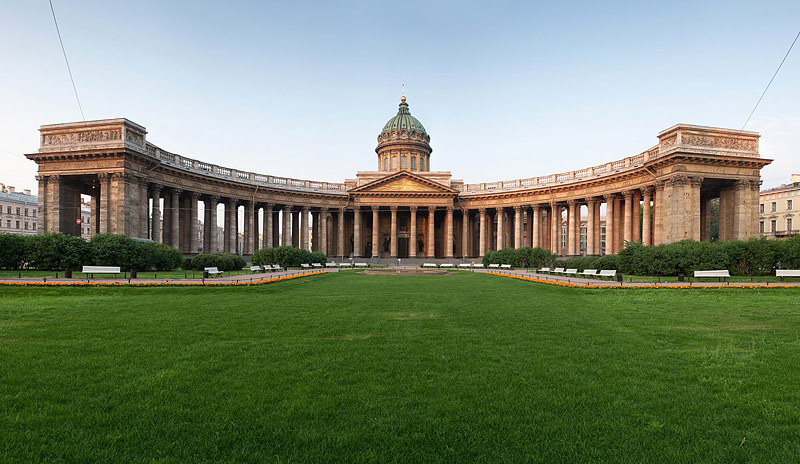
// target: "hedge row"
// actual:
[[222, 261], [60, 251], [287, 256], [521, 257], [757, 256]]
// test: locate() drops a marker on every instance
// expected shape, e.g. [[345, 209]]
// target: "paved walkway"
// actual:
[[241, 278]]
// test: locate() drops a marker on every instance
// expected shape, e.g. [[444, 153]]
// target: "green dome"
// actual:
[[404, 121]]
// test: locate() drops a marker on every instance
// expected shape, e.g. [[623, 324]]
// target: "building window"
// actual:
[[789, 225], [788, 204], [772, 225], [26, 226], [394, 162], [34, 226], [26, 212], [761, 227], [386, 164], [761, 208], [403, 161], [17, 225], [413, 163], [8, 209], [8, 224], [773, 206], [17, 215], [35, 213], [422, 164]]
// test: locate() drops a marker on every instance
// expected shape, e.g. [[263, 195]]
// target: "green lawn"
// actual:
[[357, 368]]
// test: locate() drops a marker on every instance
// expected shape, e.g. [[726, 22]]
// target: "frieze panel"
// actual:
[[730, 143], [134, 137], [82, 137]]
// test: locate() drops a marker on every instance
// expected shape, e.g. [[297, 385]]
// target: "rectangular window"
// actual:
[[34, 226], [17, 215], [8, 224], [788, 204], [394, 162], [26, 212], [413, 163], [26, 226], [422, 164], [17, 225], [35, 213], [403, 161], [773, 206], [789, 225], [761, 208], [772, 225], [761, 227], [8, 209]]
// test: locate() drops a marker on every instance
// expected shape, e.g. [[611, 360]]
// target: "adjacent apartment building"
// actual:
[[19, 213], [778, 215]]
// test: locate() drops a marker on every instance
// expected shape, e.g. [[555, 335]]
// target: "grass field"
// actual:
[[357, 368]]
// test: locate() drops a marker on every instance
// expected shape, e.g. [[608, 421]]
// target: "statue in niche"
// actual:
[[386, 243]]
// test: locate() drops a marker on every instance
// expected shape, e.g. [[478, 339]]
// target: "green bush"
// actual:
[[521, 257], [286, 256], [222, 261], [12, 251], [56, 251]]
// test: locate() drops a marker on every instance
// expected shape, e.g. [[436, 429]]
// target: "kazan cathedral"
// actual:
[[402, 209]]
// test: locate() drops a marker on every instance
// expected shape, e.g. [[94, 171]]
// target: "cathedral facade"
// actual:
[[403, 208]]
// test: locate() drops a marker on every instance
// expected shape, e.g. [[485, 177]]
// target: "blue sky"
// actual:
[[505, 89]]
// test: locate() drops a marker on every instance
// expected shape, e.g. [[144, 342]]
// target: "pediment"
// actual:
[[403, 183]]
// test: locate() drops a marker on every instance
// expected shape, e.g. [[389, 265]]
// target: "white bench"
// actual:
[[430, 265], [478, 266], [213, 271], [720, 274], [305, 265], [505, 266], [100, 270], [607, 273], [494, 266], [345, 265], [316, 265], [255, 269], [783, 273], [545, 269], [449, 265], [571, 272], [589, 272], [275, 267], [331, 264], [361, 265], [465, 265], [558, 270]]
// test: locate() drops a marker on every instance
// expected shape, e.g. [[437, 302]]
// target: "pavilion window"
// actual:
[[386, 164], [394, 162], [413, 163], [403, 162]]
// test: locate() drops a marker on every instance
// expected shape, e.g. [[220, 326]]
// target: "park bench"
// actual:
[[607, 273], [784, 273], [720, 274], [494, 266], [305, 265], [558, 270], [571, 272], [430, 265], [545, 269], [448, 265], [478, 266], [212, 271], [505, 266], [345, 264], [92, 270], [331, 264], [317, 265], [361, 265], [465, 265], [275, 267], [589, 273], [255, 269]]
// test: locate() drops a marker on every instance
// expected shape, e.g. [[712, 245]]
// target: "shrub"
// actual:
[[286, 256], [521, 257], [56, 251], [118, 250], [12, 251], [222, 261]]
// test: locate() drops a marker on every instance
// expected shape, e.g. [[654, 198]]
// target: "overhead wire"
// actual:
[[66, 60], [770, 81]]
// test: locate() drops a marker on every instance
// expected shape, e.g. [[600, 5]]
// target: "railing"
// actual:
[[603, 170], [264, 180]]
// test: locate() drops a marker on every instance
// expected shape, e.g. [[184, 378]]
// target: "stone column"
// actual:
[[266, 240], [206, 225], [555, 229], [104, 197], [658, 211], [412, 241], [627, 231], [590, 220], [393, 237], [536, 216], [304, 228], [464, 233], [376, 231], [315, 230], [610, 224], [287, 226], [323, 231], [249, 235], [213, 239], [482, 234], [229, 233], [508, 240], [295, 228], [448, 231], [94, 214], [500, 231], [357, 248], [194, 197], [517, 227], [155, 215], [646, 234], [636, 221], [571, 220], [340, 234], [276, 228], [431, 240], [175, 233]]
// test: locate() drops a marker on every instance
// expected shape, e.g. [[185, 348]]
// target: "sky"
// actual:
[[506, 90]]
